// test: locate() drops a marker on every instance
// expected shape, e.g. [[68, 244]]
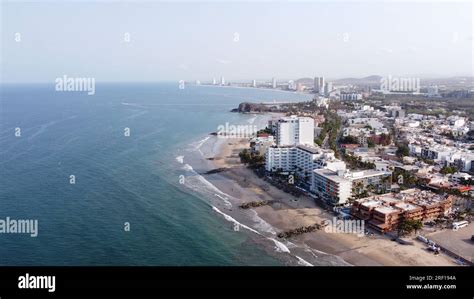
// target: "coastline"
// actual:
[[289, 212], [286, 212], [259, 88]]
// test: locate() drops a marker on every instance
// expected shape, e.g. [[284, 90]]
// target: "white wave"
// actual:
[[252, 120], [314, 251], [180, 159], [204, 186], [262, 225], [135, 115], [280, 246], [230, 219], [188, 167], [133, 105], [335, 260], [225, 199], [303, 262], [199, 143]]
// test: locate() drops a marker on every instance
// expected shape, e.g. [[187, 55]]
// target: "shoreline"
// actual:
[[286, 212], [259, 88], [233, 184]]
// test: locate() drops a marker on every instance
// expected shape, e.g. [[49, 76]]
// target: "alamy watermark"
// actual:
[[339, 226], [236, 131], [28, 281], [19, 226], [66, 83], [400, 84]]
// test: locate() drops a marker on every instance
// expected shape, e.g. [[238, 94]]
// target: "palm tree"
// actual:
[[417, 225]]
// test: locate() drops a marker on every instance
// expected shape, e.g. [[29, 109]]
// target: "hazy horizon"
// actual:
[[166, 42]]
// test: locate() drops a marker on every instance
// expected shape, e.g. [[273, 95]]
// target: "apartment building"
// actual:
[[459, 177], [350, 96], [435, 153], [331, 186]]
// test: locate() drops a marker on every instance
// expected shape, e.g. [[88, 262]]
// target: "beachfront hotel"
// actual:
[[295, 151], [293, 130], [302, 159], [337, 186], [385, 212]]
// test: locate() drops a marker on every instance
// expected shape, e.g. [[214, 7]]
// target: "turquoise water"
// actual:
[[119, 179]]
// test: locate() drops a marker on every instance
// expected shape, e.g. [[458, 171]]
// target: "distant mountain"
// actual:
[[370, 80], [305, 81], [459, 81], [374, 81]]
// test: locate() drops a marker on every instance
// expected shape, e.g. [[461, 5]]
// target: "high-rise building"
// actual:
[[295, 150], [295, 130], [316, 85], [222, 81], [214, 81], [291, 85], [433, 91], [254, 83], [319, 85], [328, 88], [274, 82], [322, 84]]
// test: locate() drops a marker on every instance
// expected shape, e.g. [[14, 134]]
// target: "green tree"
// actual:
[[402, 150], [448, 169], [417, 225], [404, 228], [245, 156], [349, 140], [409, 225]]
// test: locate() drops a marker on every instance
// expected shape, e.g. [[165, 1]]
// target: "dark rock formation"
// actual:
[[252, 108]]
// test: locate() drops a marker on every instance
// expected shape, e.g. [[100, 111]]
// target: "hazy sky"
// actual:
[[238, 40]]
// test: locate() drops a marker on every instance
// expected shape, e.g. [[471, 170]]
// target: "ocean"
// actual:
[[123, 148]]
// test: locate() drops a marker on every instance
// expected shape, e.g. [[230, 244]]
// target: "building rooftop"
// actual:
[[364, 174], [407, 200], [405, 206], [331, 175], [310, 149], [386, 209], [371, 203]]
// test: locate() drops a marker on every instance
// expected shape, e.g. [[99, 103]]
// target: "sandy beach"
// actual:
[[287, 212]]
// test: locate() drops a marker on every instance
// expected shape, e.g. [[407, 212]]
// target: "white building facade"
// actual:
[[295, 130], [300, 159]]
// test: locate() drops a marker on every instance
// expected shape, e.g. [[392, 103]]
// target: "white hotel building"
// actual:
[[294, 130], [317, 169], [300, 158], [295, 150], [336, 187]]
